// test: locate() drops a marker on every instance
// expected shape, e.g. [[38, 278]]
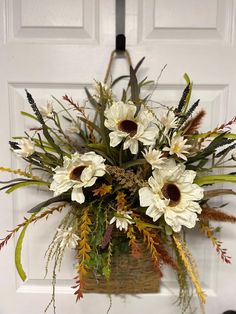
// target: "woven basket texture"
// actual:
[[129, 275]]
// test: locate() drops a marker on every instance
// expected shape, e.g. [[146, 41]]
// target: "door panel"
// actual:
[[57, 47]]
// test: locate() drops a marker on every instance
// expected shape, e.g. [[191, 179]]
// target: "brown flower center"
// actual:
[[76, 173], [171, 192], [128, 126]]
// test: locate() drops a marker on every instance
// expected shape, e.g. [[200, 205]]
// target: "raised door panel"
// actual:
[[52, 21]]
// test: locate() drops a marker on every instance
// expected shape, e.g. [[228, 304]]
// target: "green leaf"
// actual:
[[132, 163], [168, 230], [144, 82], [217, 229], [64, 108], [102, 150], [119, 79], [202, 163], [91, 98], [106, 272], [139, 64], [26, 114], [215, 179], [124, 96], [56, 199], [148, 225], [14, 180], [91, 124], [126, 76], [215, 134], [135, 90], [18, 249], [27, 183], [51, 140], [187, 79], [210, 149]]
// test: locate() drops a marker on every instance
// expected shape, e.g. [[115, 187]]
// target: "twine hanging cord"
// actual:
[[112, 57]]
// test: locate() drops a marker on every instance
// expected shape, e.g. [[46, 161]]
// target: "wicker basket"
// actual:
[[129, 275]]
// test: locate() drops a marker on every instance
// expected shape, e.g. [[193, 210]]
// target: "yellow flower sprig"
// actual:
[[185, 256], [83, 252], [21, 173], [133, 242], [149, 239]]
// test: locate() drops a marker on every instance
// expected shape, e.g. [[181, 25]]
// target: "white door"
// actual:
[[56, 47]]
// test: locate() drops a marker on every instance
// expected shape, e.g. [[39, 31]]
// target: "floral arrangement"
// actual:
[[126, 166]]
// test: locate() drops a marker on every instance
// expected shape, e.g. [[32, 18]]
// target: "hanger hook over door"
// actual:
[[120, 26]]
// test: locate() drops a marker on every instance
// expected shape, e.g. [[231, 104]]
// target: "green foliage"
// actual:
[[112, 200], [18, 249], [23, 184], [209, 150]]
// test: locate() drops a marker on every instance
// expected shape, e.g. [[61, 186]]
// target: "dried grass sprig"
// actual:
[[185, 294], [126, 178], [209, 213], [45, 214], [191, 110], [217, 192], [54, 250], [206, 136], [34, 107], [227, 124], [193, 124], [210, 233], [21, 173], [184, 98], [83, 114], [187, 259]]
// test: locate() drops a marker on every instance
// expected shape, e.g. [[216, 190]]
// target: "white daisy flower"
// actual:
[[168, 120], [47, 110], [122, 220], [172, 193], [154, 157], [177, 146], [79, 171], [66, 238], [126, 125], [26, 148]]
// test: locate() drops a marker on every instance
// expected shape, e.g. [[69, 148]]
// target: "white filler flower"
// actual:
[[126, 125], [178, 146], [154, 157], [168, 120], [78, 172], [47, 110], [26, 148], [122, 220], [66, 238], [171, 193]]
